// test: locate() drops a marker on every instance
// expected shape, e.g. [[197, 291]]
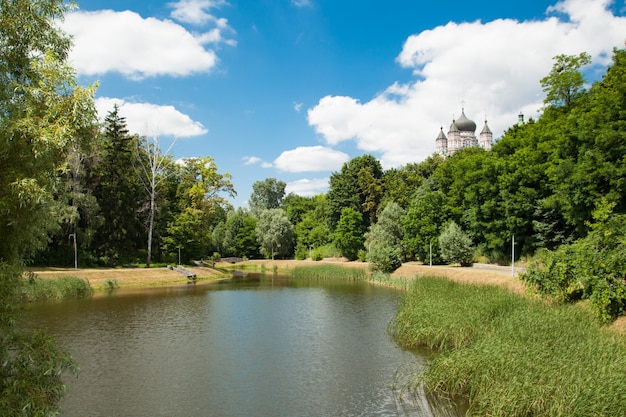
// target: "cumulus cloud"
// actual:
[[494, 67], [150, 119], [307, 187], [310, 159], [137, 47]]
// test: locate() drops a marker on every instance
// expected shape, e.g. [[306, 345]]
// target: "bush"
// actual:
[[318, 254], [384, 257], [455, 245], [591, 268]]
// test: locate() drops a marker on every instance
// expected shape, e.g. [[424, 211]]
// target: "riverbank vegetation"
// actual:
[[65, 287], [511, 355]]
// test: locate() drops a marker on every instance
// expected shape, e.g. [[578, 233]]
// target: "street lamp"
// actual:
[[73, 236]]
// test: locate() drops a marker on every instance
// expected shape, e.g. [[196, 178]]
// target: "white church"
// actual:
[[462, 134]]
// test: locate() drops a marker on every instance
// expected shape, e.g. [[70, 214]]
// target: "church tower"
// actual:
[[486, 138], [454, 139], [441, 143]]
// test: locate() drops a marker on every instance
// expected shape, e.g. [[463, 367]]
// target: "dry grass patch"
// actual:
[[128, 277]]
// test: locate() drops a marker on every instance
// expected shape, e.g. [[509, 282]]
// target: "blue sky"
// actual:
[[292, 89]]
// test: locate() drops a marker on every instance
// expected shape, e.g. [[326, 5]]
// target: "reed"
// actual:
[[510, 355], [66, 287], [326, 271]]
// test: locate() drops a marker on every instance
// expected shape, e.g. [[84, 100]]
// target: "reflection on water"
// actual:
[[251, 346]]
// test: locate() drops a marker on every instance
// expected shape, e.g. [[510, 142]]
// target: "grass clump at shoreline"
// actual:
[[36, 289], [510, 355], [328, 271]]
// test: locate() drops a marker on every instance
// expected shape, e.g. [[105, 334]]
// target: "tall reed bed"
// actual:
[[37, 289], [323, 272], [513, 356]]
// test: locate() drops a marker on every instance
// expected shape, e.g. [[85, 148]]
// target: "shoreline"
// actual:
[[162, 276]]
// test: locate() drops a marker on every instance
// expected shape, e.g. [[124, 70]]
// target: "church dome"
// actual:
[[464, 124]]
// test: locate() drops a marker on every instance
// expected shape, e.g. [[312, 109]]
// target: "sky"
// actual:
[[292, 89]]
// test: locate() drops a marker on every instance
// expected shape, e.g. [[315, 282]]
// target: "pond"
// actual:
[[258, 345]]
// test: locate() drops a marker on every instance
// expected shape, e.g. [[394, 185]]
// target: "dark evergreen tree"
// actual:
[[119, 193]]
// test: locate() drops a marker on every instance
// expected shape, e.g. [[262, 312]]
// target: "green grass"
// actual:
[[511, 355], [325, 271], [37, 289]]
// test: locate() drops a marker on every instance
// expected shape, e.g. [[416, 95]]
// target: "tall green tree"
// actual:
[[384, 239], [42, 112], [359, 186], [565, 82], [201, 196], [119, 192], [423, 222], [349, 236], [266, 194], [275, 233]]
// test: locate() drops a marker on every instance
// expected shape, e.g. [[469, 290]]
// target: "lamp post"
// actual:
[[513, 256], [73, 236]]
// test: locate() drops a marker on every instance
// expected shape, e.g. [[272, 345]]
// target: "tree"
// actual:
[[117, 187], [565, 82], [423, 221], [359, 186], [153, 164], [455, 245], [267, 194], [349, 234], [384, 239], [42, 112], [274, 233]]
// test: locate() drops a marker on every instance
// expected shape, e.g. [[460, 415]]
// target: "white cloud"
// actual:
[[150, 119], [253, 160], [297, 106], [307, 187], [495, 67], [311, 159], [137, 47], [196, 11]]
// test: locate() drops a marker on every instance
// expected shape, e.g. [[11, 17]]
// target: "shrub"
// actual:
[[455, 245], [591, 268]]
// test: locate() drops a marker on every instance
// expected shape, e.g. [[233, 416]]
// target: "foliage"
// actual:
[[275, 233], [43, 113], [497, 349], [117, 186], [348, 237], [591, 268], [565, 82], [358, 186], [267, 194], [422, 223], [455, 245], [313, 230], [384, 239]]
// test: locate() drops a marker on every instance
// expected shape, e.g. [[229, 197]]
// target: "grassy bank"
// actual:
[[65, 287], [511, 355], [328, 271]]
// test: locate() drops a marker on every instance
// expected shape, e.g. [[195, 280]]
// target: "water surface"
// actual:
[[253, 346]]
